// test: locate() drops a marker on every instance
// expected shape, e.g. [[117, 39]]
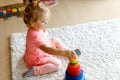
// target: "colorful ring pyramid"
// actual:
[[74, 71]]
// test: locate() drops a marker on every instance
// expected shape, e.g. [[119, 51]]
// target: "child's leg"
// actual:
[[44, 69], [52, 65], [55, 42]]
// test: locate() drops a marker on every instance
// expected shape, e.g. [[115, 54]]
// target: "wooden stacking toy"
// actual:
[[10, 11], [74, 71]]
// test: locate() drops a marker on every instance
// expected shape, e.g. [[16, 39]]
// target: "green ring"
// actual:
[[73, 62]]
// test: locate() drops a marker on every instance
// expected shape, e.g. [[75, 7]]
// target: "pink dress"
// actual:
[[34, 56]]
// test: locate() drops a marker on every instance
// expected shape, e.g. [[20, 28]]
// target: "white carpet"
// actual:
[[99, 43]]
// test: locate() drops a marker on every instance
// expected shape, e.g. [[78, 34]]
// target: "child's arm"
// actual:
[[53, 51]]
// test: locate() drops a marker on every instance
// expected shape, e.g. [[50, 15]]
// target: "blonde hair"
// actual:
[[33, 12]]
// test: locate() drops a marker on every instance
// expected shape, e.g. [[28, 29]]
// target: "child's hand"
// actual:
[[70, 55]]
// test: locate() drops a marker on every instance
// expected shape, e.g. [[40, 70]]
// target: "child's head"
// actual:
[[36, 15]]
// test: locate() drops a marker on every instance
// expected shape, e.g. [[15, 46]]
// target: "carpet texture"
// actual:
[[99, 43]]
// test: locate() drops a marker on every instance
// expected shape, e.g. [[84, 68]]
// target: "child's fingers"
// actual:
[[71, 55]]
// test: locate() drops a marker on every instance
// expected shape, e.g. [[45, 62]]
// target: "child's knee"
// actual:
[[58, 64]]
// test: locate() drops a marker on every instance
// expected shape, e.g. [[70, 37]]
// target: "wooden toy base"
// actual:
[[11, 10]]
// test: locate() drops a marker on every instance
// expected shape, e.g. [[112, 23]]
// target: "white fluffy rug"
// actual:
[[99, 43]]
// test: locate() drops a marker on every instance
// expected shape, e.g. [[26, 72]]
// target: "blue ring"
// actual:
[[79, 77]]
